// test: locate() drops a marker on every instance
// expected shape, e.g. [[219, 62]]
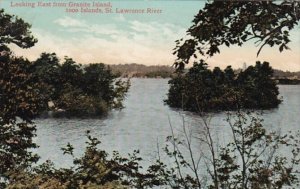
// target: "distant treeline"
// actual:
[[140, 70], [165, 71], [286, 74], [286, 77]]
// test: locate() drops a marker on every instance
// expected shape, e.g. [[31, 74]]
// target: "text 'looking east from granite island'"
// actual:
[[87, 7], [71, 4]]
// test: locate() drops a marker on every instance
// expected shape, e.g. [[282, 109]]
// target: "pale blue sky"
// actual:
[[132, 38]]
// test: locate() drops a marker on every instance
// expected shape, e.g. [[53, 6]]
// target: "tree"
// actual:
[[71, 72], [46, 72], [20, 102], [229, 75], [98, 81], [15, 30], [101, 83], [236, 22], [46, 68], [258, 87], [19, 98]]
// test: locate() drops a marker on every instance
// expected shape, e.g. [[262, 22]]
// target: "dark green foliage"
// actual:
[[76, 90], [19, 99], [71, 73], [98, 82], [46, 72], [159, 74], [20, 102], [121, 88], [203, 90], [257, 87], [235, 23], [15, 30], [288, 81], [73, 102]]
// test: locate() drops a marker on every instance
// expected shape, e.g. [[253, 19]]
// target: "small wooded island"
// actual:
[[203, 90], [73, 90], [65, 89]]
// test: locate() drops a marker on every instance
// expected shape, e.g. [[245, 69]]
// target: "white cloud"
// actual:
[[145, 43], [76, 25], [162, 30], [70, 22], [107, 29], [142, 27]]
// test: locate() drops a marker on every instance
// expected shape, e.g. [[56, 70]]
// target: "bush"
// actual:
[[75, 103]]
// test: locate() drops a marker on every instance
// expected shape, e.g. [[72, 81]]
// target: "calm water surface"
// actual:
[[145, 122]]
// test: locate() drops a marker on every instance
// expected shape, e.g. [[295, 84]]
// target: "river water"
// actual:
[[145, 123]]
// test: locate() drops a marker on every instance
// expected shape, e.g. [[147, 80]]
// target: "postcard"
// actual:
[[149, 94]]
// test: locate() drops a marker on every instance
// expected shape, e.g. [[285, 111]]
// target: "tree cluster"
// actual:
[[76, 90], [204, 90]]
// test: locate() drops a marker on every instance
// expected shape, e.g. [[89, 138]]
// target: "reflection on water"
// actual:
[[144, 123]]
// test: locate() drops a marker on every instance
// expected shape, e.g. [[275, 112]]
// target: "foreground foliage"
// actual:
[[203, 90], [251, 159]]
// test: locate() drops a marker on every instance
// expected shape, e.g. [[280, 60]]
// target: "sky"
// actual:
[[115, 38]]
